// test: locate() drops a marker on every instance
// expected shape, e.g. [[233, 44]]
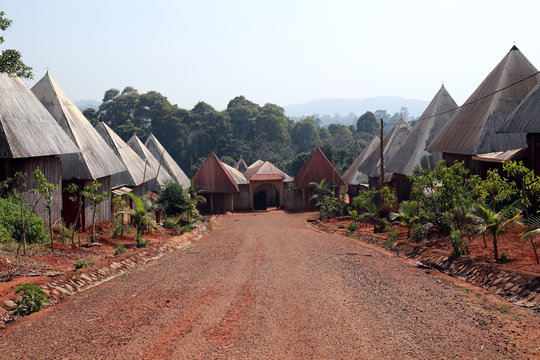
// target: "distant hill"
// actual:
[[84, 104], [343, 107]]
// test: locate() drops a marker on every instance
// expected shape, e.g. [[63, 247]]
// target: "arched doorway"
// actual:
[[265, 196]]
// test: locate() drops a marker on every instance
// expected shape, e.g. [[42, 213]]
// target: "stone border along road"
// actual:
[[84, 279], [520, 287]]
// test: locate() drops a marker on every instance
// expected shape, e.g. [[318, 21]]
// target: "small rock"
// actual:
[[9, 303]]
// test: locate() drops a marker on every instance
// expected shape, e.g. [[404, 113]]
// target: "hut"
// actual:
[[266, 185], [241, 165], [167, 161], [137, 175], [353, 177], [157, 169], [525, 119], [241, 198], [413, 151], [96, 159], [392, 141], [219, 187], [472, 130], [316, 169], [30, 138]]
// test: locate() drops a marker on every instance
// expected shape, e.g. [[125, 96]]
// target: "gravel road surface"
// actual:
[[268, 286]]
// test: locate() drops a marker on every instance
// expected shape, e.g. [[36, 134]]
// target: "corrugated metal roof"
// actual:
[[265, 171], [526, 117], [155, 169], [241, 166], [213, 177], [237, 176], [162, 155], [317, 168], [27, 129], [413, 152], [392, 141], [472, 129], [353, 176], [96, 158], [500, 156], [137, 171]]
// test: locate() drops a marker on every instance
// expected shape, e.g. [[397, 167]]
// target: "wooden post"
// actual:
[[382, 155], [211, 203]]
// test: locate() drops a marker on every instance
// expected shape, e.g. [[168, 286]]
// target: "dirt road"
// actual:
[[269, 286]]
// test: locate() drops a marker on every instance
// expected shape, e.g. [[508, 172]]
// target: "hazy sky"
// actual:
[[283, 52]]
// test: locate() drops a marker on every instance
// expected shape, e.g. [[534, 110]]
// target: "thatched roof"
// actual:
[[413, 152], [260, 170], [317, 168], [526, 117], [241, 165], [137, 171], [96, 158], [353, 176], [472, 130], [140, 149], [27, 128], [237, 175], [167, 161], [214, 177], [392, 141]]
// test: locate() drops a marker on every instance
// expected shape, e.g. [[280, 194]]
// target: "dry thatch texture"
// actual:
[[154, 168], [213, 177], [27, 128], [96, 158], [317, 168], [237, 175], [353, 176], [413, 152], [472, 130], [392, 141], [526, 117], [167, 161], [260, 170], [137, 172]]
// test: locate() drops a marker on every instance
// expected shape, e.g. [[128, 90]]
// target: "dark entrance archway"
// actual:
[[265, 196]]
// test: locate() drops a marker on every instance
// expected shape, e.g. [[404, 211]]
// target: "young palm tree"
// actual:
[[142, 215], [407, 214], [322, 194], [495, 222], [534, 224]]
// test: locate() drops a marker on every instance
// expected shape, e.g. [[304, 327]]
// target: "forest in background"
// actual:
[[244, 129]]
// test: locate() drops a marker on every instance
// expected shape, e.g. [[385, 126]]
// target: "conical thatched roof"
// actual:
[[241, 165], [472, 130], [140, 149], [96, 158], [137, 172], [260, 170], [413, 152], [392, 141], [167, 161], [27, 128], [237, 176], [214, 177], [317, 168], [526, 117], [353, 176]]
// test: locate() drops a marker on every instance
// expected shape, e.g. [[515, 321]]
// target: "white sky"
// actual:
[[282, 52]]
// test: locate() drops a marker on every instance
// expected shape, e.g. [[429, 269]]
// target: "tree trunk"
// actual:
[[495, 249], [93, 224], [50, 228], [484, 238], [534, 248]]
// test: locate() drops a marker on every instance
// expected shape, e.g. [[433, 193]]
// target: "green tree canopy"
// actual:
[[10, 59]]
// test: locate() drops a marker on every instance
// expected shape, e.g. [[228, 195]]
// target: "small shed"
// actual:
[[96, 160], [157, 170], [473, 129], [30, 138], [167, 161]]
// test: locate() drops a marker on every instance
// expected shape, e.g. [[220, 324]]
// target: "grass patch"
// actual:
[[504, 309]]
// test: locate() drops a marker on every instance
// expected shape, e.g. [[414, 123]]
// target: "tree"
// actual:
[[367, 123], [304, 135], [142, 214], [46, 189], [91, 193], [92, 115], [407, 214], [10, 59], [322, 194], [77, 199]]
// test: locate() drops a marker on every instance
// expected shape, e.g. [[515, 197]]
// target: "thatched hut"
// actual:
[[266, 185], [30, 138], [472, 130], [353, 177], [96, 159], [158, 171], [167, 161]]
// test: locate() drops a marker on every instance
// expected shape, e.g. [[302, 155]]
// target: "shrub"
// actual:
[[140, 243], [186, 228], [79, 264], [169, 223], [32, 299], [392, 236], [341, 226], [10, 223], [460, 246], [352, 226], [505, 257], [418, 232], [119, 248], [173, 199]]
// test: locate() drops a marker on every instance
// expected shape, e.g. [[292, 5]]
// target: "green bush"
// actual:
[[460, 246], [10, 223], [392, 236], [418, 232], [119, 248], [140, 243], [169, 223], [32, 299], [352, 226], [79, 264], [186, 228], [173, 199]]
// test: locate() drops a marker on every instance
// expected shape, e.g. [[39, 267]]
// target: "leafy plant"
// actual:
[[173, 198], [119, 248], [186, 229], [352, 227], [142, 215], [140, 243], [79, 264], [46, 189], [391, 237], [91, 193], [322, 194], [505, 257], [372, 203], [407, 214], [11, 226], [534, 230], [32, 298], [119, 205], [459, 245], [418, 232]]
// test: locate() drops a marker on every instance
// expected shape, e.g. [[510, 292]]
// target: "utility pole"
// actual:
[[382, 156]]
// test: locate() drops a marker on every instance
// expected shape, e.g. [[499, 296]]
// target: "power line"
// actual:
[[477, 100]]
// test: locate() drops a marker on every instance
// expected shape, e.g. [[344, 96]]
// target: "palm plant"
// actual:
[[322, 194], [407, 214], [495, 222], [534, 225], [141, 215]]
